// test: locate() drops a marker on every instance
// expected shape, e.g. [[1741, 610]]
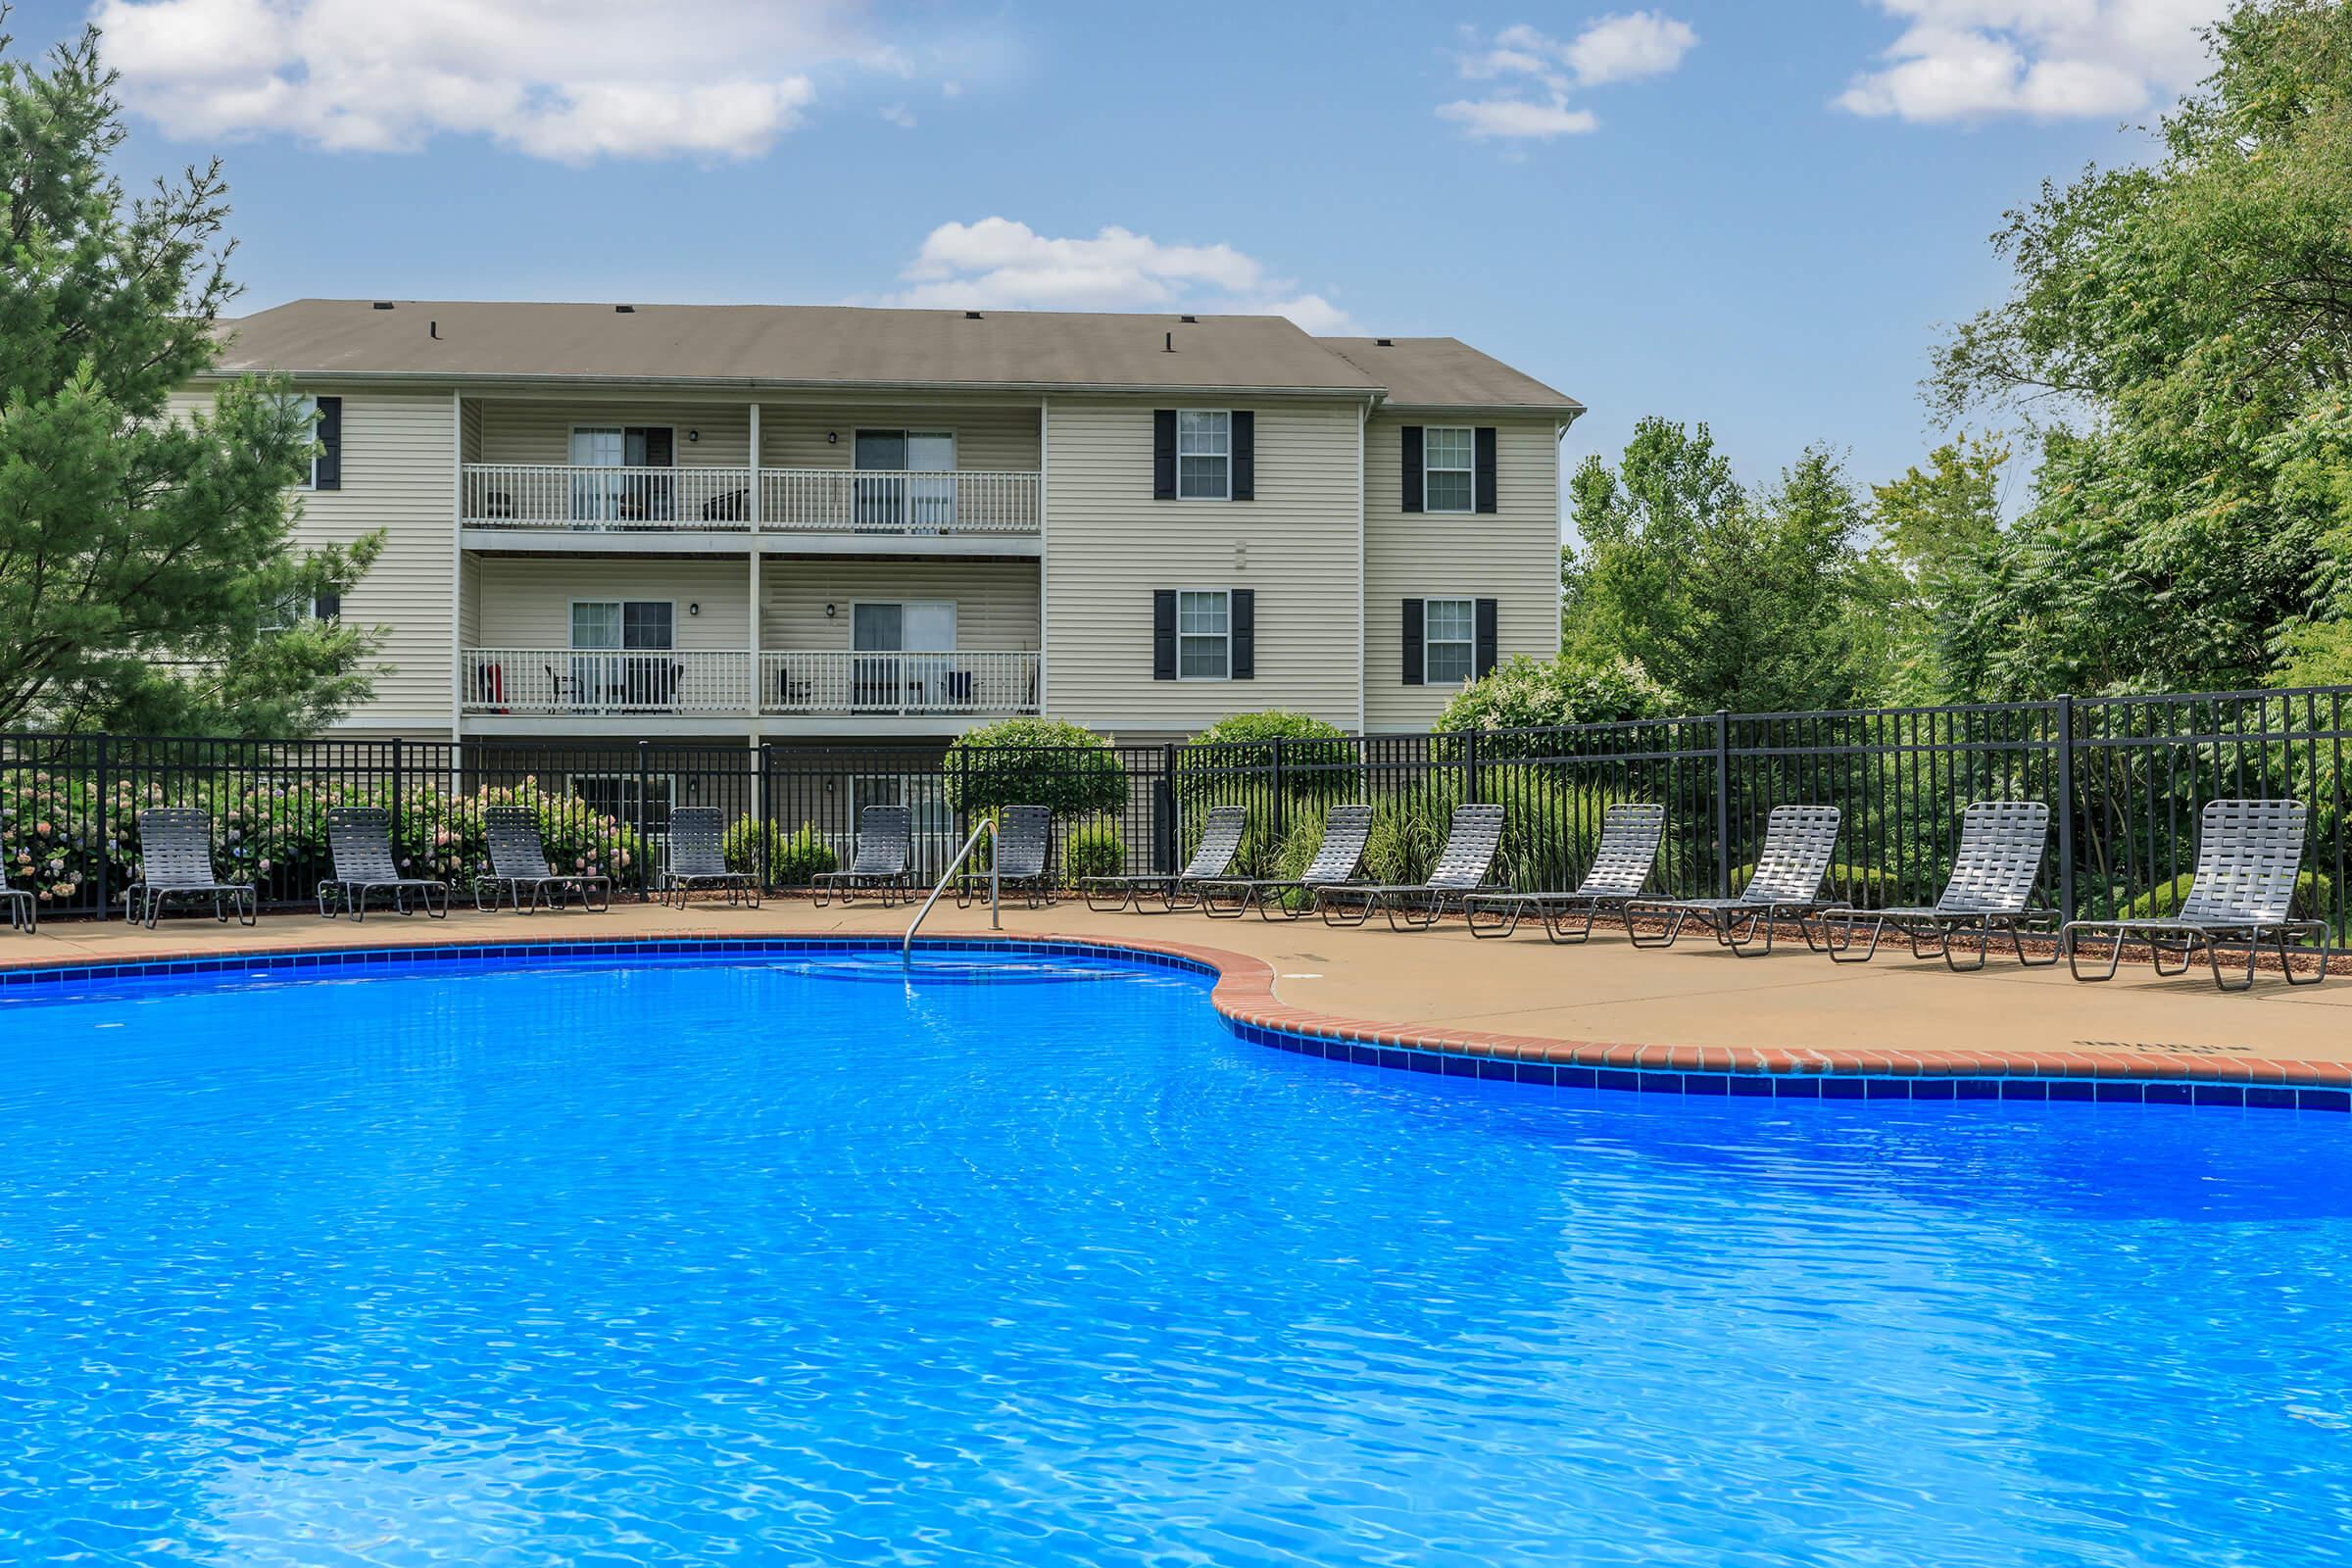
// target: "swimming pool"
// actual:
[[672, 1259]]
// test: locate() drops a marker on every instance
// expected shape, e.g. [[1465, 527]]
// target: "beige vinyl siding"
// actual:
[[997, 439], [996, 601], [525, 600], [1110, 545], [519, 431], [470, 601], [1511, 556]]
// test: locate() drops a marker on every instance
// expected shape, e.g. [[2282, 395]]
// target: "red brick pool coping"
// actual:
[[1244, 993]]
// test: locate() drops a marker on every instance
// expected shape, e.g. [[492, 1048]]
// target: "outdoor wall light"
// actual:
[[832, 438], [829, 611], [694, 610], [693, 435]]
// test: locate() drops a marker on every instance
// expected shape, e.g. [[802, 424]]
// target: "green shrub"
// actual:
[[1035, 762], [1238, 752], [2314, 897], [793, 859], [1549, 694], [1096, 849]]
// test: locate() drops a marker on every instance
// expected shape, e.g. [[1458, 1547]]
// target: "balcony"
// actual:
[[526, 496], [573, 683]]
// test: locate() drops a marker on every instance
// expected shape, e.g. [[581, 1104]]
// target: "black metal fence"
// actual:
[[2126, 778]]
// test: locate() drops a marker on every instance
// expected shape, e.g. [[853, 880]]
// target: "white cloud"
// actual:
[[1007, 265], [567, 79], [2048, 59], [900, 115], [1539, 71]]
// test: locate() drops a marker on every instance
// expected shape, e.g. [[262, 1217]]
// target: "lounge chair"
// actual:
[[697, 859], [1212, 861], [1022, 845], [885, 853], [518, 861], [176, 861], [360, 837], [1799, 840], [1630, 836], [1472, 841], [24, 912], [1993, 873], [2249, 854], [1346, 830]]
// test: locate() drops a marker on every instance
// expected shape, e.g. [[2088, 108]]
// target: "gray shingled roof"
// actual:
[[830, 345], [1444, 372]]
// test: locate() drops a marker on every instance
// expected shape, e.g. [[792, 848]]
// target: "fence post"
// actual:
[[765, 818], [645, 845], [1163, 834], [2065, 706], [1723, 802], [105, 833], [1282, 826], [1470, 767], [399, 792]]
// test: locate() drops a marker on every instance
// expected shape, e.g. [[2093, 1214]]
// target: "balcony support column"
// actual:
[[752, 632]]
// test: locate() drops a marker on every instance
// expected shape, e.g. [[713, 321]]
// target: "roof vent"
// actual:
[[381, 305], [971, 316], [1194, 319], [1170, 346], [624, 310], [1384, 342]]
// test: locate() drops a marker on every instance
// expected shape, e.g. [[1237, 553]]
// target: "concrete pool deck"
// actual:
[[1693, 1008]]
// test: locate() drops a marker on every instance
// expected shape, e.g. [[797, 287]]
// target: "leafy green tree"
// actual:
[[146, 563], [1034, 762], [2184, 328], [1726, 599], [1934, 525]]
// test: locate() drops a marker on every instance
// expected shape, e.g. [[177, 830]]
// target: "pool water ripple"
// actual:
[[763, 1260]]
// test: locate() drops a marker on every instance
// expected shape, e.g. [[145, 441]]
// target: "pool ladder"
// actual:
[[987, 829]]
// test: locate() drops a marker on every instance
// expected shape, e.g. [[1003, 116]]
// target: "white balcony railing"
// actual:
[[958, 683], [522, 495], [562, 681]]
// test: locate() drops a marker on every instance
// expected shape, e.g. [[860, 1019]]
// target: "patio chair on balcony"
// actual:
[[1022, 845], [24, 912], [1989, 891], [1630, 836], [1336, 859], [732, 506], [176, 861], [518, 865], [697, 859], [1798, 842], [1212, 861], [884, 861], [2249, 857], [360, 838], [1472, 841]]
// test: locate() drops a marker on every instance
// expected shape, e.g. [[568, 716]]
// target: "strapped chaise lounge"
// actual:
[[360, 838], [176, 861], [519, 862], [1472, 841], [2249, 854], [1993, 873], [697, 859], [1212, 861], [1022, 845], [1630, 836], [1346, 831], [1798, 842], [884, 860]]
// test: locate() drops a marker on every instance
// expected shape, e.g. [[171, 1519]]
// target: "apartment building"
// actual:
[[833, 525]]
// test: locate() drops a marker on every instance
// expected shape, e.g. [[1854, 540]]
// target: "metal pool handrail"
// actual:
[[987, 828]]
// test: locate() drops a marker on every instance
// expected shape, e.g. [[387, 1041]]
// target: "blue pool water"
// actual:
[[646, 1262]]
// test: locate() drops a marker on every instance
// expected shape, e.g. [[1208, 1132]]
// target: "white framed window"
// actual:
[[635, 624], [1449, 483], [306, 409], [288, 614], [1449, 641], [1205, 635], [1204, 455]]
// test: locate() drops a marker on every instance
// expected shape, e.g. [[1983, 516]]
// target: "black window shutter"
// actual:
[[1487, 636], [1244, 633], [1412, 468], [1484, 479], [327, 472], [1163, 459], [1164, 634], [1412, 638], [1244, 455]]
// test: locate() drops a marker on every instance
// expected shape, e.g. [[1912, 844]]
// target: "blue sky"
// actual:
[[1752, 215]]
